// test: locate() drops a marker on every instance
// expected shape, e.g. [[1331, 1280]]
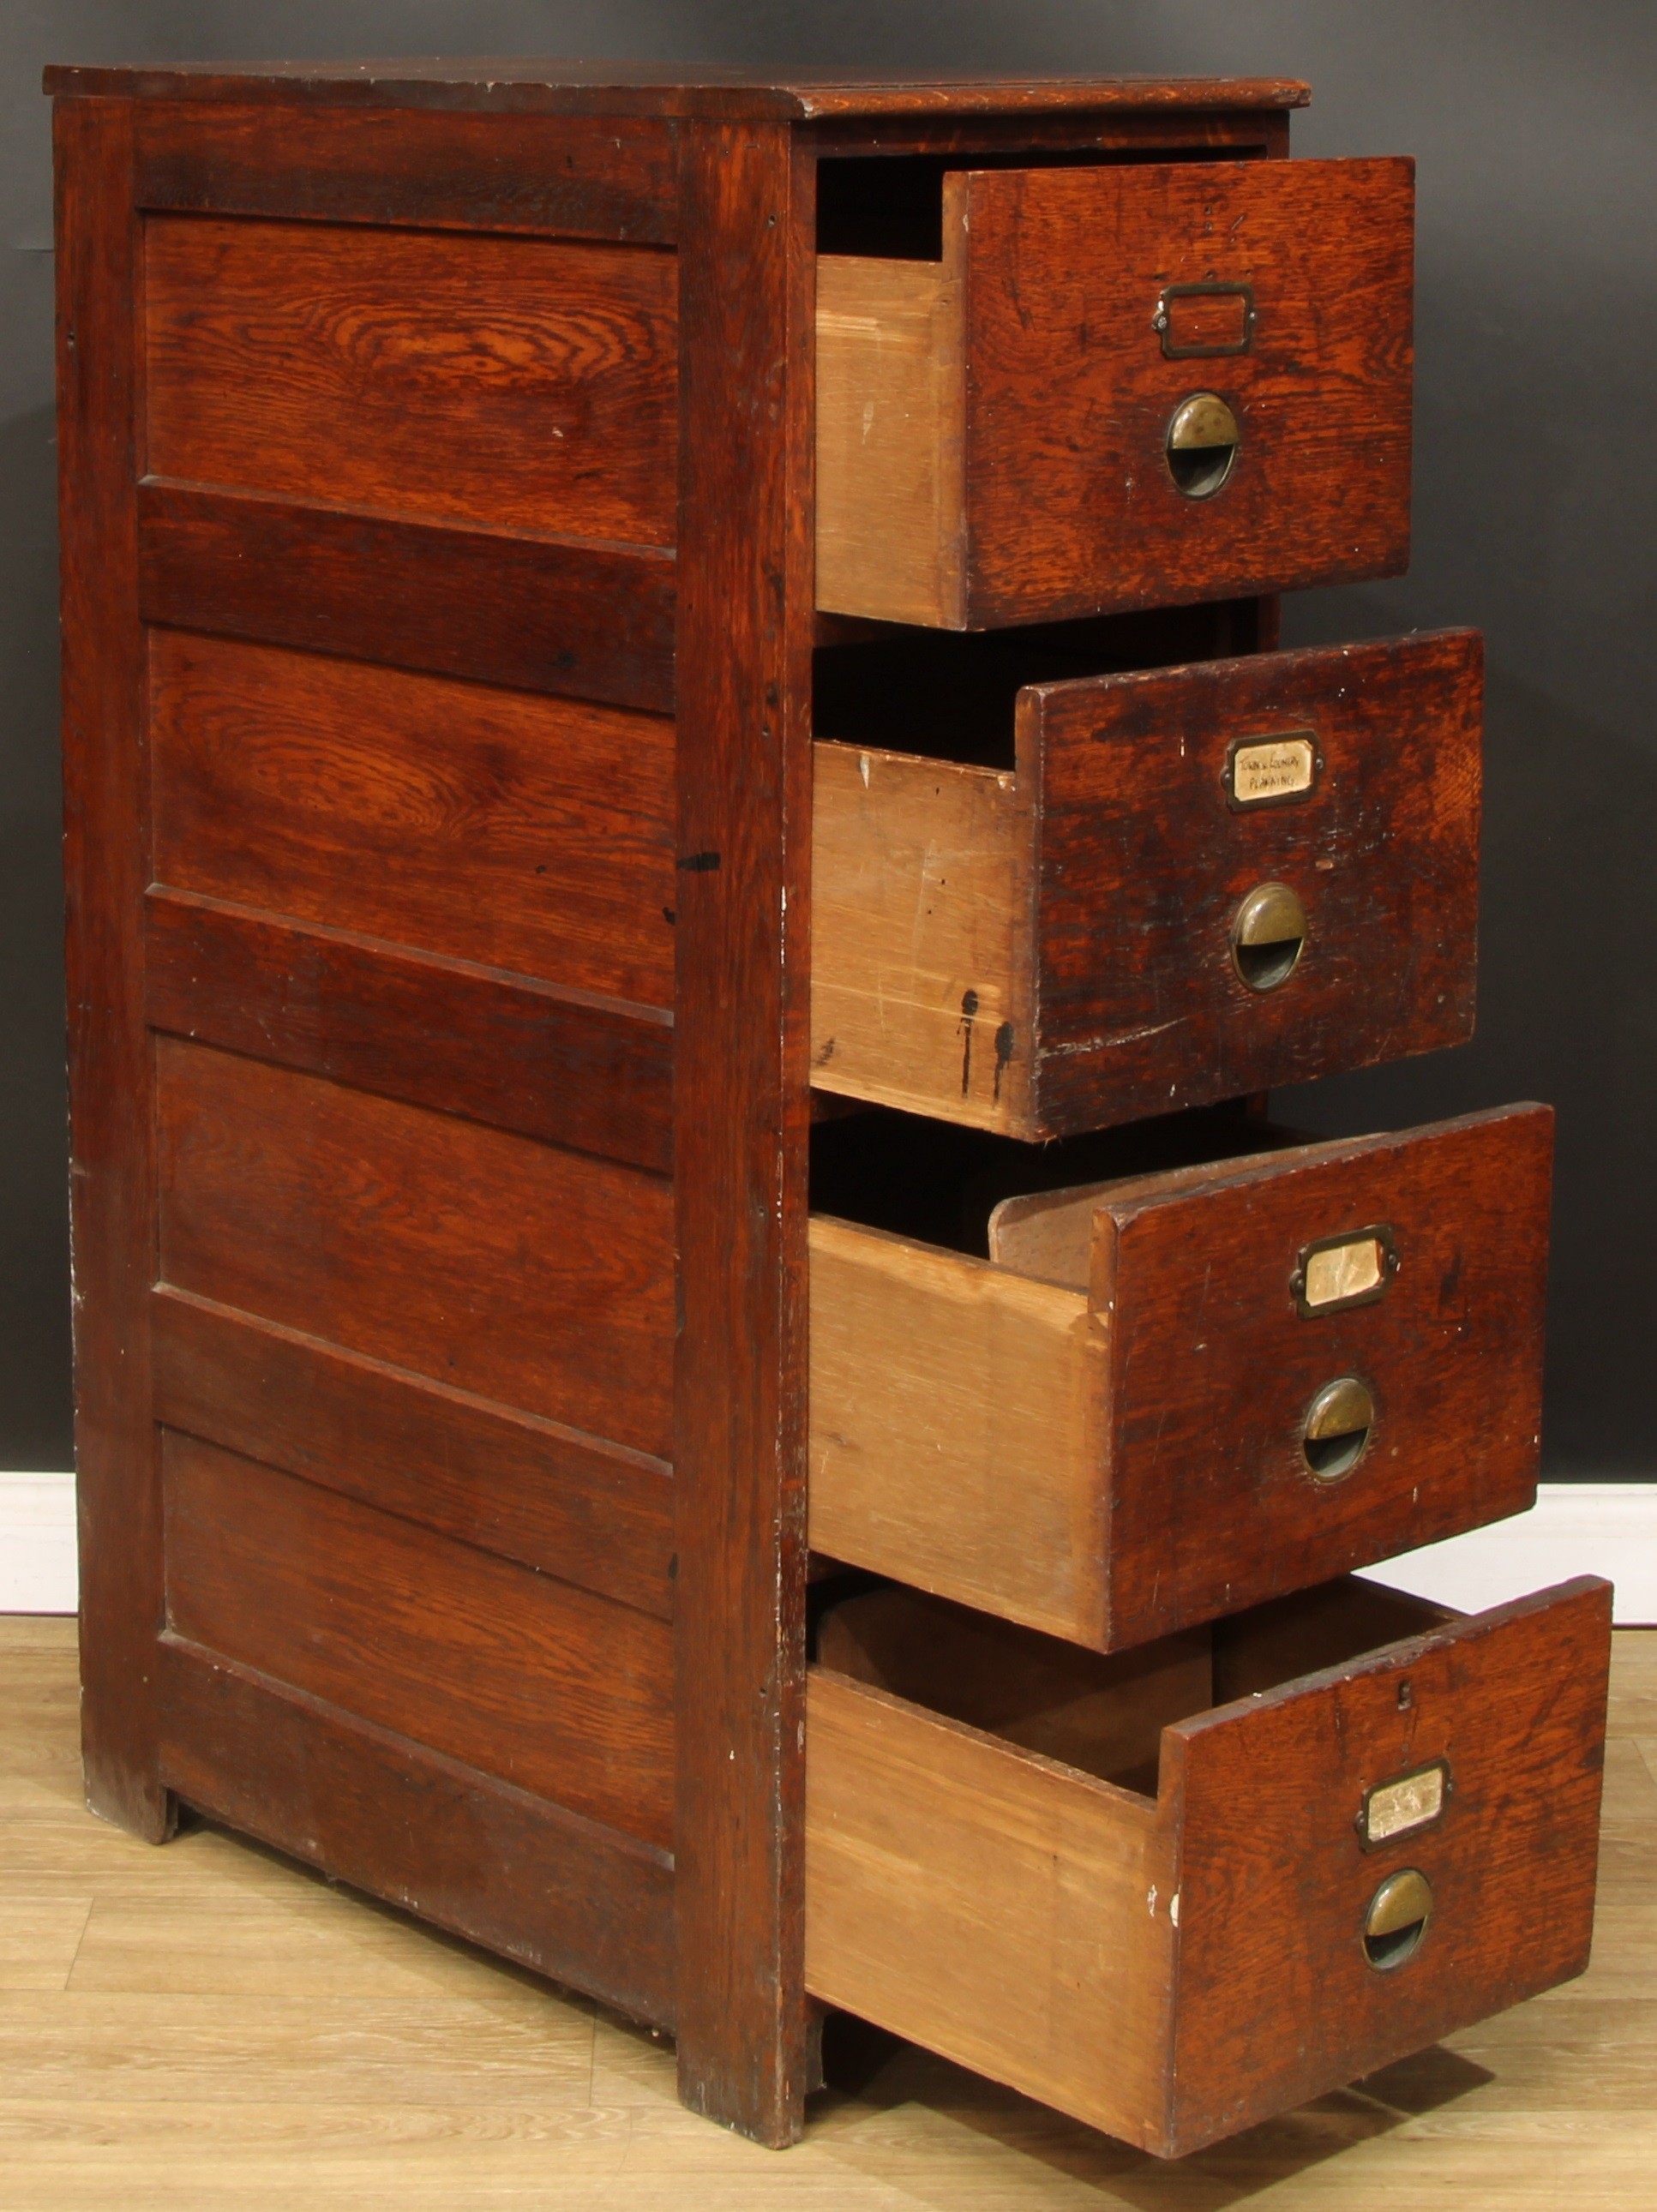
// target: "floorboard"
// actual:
[[207, 2025]]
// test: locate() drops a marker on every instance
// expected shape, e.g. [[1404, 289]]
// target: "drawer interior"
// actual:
[[1103, 1715], [939, 1183], [950, 696]]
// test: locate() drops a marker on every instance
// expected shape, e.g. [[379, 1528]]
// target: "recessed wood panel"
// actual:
[[536, 1277], [580, 177], [545, 613], [524, 832], [574, 1900], [553, 1689], [520, 383], [594, 1074], [544, 1495]]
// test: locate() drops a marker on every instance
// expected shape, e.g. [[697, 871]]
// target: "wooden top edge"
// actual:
[[537, 86]]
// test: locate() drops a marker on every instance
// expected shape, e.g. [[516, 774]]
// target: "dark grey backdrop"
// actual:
[[1535, 125]]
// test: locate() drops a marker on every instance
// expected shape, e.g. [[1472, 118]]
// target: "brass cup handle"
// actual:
[[1203, 442], [1339, 1423], [1268, 935], [1397, 1920]]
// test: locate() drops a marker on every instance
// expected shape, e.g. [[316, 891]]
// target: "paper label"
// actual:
[[1340, 1272], [1271, 767], [1398, 1807]]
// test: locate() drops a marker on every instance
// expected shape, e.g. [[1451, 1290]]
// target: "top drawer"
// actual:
[[1003, 435]]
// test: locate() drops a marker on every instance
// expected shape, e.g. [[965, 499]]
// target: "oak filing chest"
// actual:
[[690, 853]]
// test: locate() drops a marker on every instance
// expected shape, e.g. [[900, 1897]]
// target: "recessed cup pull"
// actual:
[[1397, 1920], [1203, 442], [1268, 935], [1338, 1425]]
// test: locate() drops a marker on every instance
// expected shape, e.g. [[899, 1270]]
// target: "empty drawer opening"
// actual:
[[890, 207], [939, 1182], [950, 696]]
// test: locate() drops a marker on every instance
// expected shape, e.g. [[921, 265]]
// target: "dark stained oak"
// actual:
[[1276, 2002], [546, 1496], [566, 1896], [111, 1172], [536, 614], [740, 1106], [502, 85], [1060, 356], [590, 1074], [1136, 986], [539, 1277], [518, 383], [558, 1691], [505, 828], [573, 178]]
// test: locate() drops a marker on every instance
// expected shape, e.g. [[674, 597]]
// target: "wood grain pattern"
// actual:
[[890, 441], [1143, 864], [957, 1427], [558, 1691], [921, 884], [1276, 1999], [1068, 508], [591, 621], [513, 383], [988, 1903], [1152, 1968], [515, 830], [1116, 1451], [564, 1895], [580, 177], [545, 1496], [1085, 901], [111, 1184], [593, 1075], [535, 1277], [741, 1103]]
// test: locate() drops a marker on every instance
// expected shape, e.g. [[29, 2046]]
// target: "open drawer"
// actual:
[[1120, 386], [1167, 1396], [1178, 1890], [1186, 884]]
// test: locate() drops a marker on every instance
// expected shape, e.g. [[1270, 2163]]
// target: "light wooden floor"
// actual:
[[208, 2025]]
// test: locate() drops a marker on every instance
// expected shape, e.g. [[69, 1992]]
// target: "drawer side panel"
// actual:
[[953, 1426], [1007, 1912]]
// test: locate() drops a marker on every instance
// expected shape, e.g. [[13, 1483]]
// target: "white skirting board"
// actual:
[[1575, 1529], [1606, 1528], [37, 1543]]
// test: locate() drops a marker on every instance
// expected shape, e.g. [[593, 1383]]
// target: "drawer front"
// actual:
[[1168, 969], [1285, 290], [1174, 1967], [1471, 1756], [1198, 882], [1169, 1397]]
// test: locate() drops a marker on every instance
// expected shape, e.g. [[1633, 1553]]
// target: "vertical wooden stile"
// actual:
[[113, 1184], [740, 1114]]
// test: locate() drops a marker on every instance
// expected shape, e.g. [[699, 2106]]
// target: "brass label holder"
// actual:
[[1274, 771], [1338, 1272], [1205, 348]]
